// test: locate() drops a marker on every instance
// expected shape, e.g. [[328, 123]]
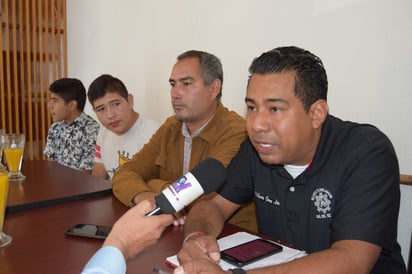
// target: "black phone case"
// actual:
[[89, 231], [245, 247]]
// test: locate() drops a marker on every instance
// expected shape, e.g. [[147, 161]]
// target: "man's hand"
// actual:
[[199, 247], [180, 217], [146, 195], [135, 231]]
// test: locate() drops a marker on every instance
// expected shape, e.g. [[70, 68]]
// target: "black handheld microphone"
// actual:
[[206, 177]]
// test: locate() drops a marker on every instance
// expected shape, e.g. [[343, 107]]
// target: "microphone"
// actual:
[[205, 178]]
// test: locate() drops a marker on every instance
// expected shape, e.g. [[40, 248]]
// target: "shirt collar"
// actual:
[[185, 130]]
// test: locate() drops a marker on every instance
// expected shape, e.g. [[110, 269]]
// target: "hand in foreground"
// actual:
[[145, 195], [199, 266], [199, 248], [134, 231], [180, 217]]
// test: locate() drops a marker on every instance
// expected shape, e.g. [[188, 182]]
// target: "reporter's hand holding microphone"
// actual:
[[206, 177]]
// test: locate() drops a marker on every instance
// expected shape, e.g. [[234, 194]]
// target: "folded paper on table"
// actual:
[[286, 255]]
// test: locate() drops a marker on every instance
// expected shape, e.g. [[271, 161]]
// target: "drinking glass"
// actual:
[[13, 146], [4, 190], [2, 132]]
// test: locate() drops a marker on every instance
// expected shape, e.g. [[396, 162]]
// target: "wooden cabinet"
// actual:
[[33, 54]]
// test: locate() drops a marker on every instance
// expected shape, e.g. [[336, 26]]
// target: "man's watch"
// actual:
[[237, 271]]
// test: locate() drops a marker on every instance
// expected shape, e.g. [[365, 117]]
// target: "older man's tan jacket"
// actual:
[[160, 162]]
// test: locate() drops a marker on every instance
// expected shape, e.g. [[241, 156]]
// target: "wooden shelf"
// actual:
[[32, 29]]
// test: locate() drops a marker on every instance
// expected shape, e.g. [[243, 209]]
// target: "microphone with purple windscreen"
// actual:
[[205, 178]]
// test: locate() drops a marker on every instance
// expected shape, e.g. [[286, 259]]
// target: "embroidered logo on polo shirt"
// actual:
[[266, 199], [322, 199]]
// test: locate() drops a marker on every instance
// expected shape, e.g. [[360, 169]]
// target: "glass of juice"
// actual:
[[4, 190], [13, 147], [2, 132]]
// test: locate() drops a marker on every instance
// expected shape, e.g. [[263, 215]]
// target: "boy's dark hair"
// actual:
[[70, 89], [103, 84]]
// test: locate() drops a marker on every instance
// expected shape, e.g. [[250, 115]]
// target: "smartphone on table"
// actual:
[[89, 231], [250, 252]]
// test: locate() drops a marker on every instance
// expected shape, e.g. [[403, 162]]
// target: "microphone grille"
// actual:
[[210, 173]]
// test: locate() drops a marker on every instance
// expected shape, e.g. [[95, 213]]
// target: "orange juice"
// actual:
[[14, 157], [4, 189]]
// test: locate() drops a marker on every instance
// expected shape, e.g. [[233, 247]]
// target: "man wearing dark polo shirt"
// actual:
[[324, 185]]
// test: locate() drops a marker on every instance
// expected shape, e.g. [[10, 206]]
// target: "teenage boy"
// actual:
[[71, 139], [124, 130]]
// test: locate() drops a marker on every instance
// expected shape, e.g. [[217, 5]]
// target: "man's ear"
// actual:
[[73, 105], [216, 87], [319, 111]]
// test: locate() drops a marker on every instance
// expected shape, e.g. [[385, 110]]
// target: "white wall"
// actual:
[[364, 44]]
